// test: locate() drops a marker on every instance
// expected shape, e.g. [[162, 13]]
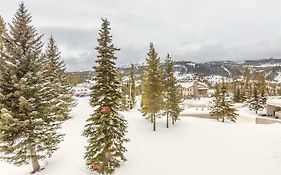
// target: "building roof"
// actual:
[[186, 84], [274, 102], [190, 84], [202, 84]]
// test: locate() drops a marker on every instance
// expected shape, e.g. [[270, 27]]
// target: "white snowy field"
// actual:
[[192, 146]]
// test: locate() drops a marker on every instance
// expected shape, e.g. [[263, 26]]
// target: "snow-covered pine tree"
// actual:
[[234, 91], [105, 128], [132, 87], [228, 111], [222, 108], [142, 78], [256, 100], [172, 92], [28, 128], [216, 108], [124, 105], [262, 87], [2, 30], [152, 92], [55, 72], [247, 85]]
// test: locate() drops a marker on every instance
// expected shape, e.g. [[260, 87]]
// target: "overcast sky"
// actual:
[[192, 30]]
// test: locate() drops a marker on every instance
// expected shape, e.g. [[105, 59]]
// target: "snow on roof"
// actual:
[[186, 84], [190, 84], [274, 102], [202, 84]]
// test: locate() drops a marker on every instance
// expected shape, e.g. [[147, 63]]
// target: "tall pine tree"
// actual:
[[216, 108], [247, 85], [2, 28], [28, 126], [105, 128], [55, 72], [222, 108], [152, 92], [256, 102], [172, 93], [262, 87], [132, 87]]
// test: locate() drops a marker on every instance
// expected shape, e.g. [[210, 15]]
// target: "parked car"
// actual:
[[81, 91]]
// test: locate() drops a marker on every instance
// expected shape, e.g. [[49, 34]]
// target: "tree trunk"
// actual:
[[34, 161], [167, 120], [173, 120], [154, 123]]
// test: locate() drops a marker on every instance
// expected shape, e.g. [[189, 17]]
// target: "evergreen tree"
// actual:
[[172, 92], [216, 108], [73, 79], [247, 87], [55, 72], [235, 92], [262, 87], [124, 91], [105, 128], [238, 95], [2, 29], [256, 101], [28, 127], [142, 78], [132, 87], [222, 108], [152, 92]]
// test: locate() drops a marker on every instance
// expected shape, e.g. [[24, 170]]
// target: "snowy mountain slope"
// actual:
[[187, 69], [278, 78], [191, 146]]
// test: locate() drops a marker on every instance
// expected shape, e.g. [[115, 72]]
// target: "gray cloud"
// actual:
[[195, 30]]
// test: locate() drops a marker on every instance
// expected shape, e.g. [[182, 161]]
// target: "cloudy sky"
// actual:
[[193, 30]]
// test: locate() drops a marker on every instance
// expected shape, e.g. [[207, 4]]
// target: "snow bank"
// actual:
[[191, 146]]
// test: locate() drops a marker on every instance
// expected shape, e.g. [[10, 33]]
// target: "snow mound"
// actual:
[[192, 146]]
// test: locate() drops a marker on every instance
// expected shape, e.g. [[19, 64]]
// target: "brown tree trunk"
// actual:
[[154, 123], [34, 161], [167, 120]]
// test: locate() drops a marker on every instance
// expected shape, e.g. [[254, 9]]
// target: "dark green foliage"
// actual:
[[55, 73], [28, 125], [74, 79], [2, 29], [222, 108], [236, 90], [132, 88], [261, 87], [256, 101], [105, 128], [246, 90], [123, 102]]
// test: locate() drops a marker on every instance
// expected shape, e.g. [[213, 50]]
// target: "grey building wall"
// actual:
[[270, 110]]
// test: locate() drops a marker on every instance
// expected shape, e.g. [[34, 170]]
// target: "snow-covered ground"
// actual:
[[278, 78], [192, 146], [214, 79]]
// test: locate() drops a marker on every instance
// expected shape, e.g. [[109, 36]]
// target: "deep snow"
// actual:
[[192, 146]]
